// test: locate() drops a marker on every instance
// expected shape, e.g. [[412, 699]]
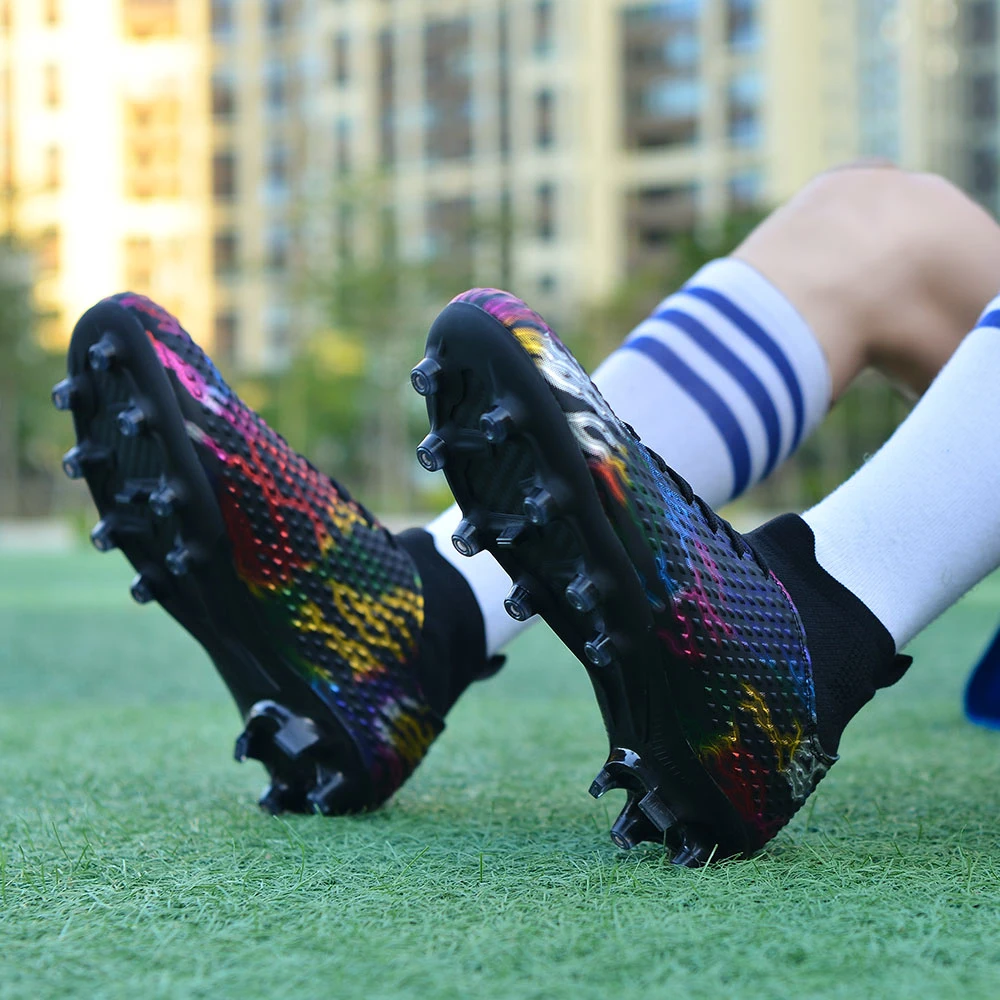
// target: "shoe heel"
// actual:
[[294, 751]]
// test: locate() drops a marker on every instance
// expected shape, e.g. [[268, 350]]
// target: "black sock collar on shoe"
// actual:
[[453, 641], [852, 653]]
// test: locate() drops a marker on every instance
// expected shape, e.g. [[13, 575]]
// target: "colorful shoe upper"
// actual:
[[341, 598], [731, 640]]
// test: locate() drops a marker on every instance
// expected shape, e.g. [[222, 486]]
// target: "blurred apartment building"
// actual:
[[595, 129], [104, 137], [211, 152]]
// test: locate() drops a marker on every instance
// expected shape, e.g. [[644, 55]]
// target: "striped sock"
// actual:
[[724, 381]]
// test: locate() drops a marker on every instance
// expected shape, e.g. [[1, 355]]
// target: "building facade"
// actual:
[[104, 138], [218, 153]]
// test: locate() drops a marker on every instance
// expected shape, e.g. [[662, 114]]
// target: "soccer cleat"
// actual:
[[311, 611], [982, 692], [697, 654]]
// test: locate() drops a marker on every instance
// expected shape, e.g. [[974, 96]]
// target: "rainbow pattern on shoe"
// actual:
[[732, 641], [341, 599]]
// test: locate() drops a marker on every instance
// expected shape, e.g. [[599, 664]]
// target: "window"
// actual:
[[225, 252], [342, 150], [138, 263], [150, 18], [49, 251], [227, 325], [545, 119], [448, 89], [277, 15], [222, 18], [277, 168], [543, 27], [223, 97], [546, 208], [745, 98], [53, 86], [53, 168], [743, 29], [341, 58], [345, 231], [983, 97], [278, 248], [983, 173], [386, 98], [980, 22], [224, 175], [745, 190], [276, 86], [656, 216], [660, 66], [153, 148], [504, 73]]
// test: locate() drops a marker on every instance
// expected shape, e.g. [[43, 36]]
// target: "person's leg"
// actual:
[[727, 666], [866, 266]]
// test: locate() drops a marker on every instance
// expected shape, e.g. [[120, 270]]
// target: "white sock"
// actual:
[[919, 524], [723, 381]]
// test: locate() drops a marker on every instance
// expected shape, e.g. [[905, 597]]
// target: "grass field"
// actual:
[[133, 861]]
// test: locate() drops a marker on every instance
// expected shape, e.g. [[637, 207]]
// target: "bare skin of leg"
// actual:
[[889, 268]]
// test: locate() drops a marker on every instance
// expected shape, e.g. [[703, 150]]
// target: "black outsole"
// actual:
[[157, 506], [528, 497]]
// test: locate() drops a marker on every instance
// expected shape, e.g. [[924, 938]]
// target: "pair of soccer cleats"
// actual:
[[720, 721]]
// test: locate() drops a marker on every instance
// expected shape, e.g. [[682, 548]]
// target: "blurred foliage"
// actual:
[[27, 421], [344, 398]]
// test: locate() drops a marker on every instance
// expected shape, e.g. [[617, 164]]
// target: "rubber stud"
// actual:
[[101, 537], [466, 539], [657, 812], [275, 798], [163, 502], [131, 421], [72, 463], [132, 492], [424, 378], [178, 560], [78, 458], [632, 827], [518, 604], [540, 507], [604, 782], [496, 425], [431, 452], [327, 798], [600, 651], [511, 535], [693, 853], [141, 590], [65, 395], [582, 594], [102, 356]]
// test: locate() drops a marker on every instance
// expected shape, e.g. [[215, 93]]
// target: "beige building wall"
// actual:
[[105, 142]]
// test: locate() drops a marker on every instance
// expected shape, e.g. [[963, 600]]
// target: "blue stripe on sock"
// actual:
[[739, 370], [766, 343], [707, 398], [991, 319]]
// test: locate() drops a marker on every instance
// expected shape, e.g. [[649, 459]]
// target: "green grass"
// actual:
[[133, 861]]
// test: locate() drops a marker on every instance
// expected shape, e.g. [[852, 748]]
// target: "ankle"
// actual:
[[851, 653]]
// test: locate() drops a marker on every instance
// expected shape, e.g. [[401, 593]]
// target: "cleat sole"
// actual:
[[578, 575], [136, 482]]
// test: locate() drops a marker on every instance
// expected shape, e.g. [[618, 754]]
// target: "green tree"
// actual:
[[18, 352]]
